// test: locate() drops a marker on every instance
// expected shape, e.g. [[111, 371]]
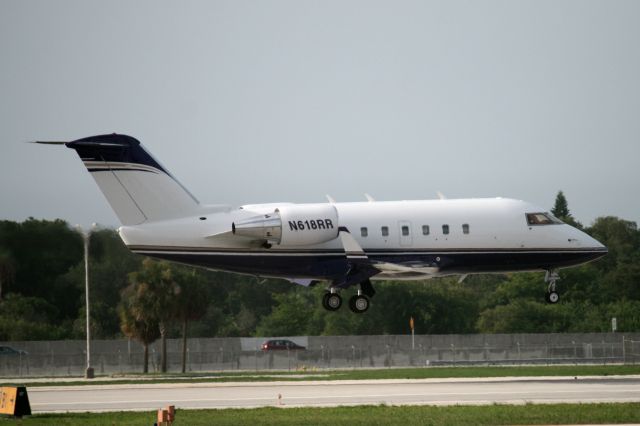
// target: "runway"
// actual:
[[98, 398]]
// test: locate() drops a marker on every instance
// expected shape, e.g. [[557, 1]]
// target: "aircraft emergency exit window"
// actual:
[[445, 229], [465, 228], [385, 231], [425, 229], [542, 219], [363, 231], [405, 230]]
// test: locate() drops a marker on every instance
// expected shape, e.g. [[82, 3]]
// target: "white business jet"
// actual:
[[344, 244]]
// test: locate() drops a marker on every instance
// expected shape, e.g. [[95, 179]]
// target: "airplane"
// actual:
[[344, 244]]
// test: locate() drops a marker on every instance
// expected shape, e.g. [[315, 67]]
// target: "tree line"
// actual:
[[42, 293]]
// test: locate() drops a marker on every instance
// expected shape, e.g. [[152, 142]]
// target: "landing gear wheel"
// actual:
[[359, 304], [553, 297], [331, 301]]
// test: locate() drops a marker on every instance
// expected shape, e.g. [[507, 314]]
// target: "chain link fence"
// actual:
[[631, 350], [110, 357]]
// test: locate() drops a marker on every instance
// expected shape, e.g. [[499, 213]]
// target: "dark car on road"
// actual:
[[9, 351], [281, 344]]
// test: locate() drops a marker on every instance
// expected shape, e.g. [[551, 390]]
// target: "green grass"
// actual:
[[368, 415], [520, 371], [391, 373]]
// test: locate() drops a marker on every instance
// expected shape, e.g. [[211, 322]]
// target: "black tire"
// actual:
[[546, 297], [553, 297], [331, 301], [324, 301], [359, 304]]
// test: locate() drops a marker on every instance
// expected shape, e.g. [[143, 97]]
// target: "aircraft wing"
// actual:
[[360, 267], [305, 282], [396, 267]]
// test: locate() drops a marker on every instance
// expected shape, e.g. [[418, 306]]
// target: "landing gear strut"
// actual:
[[367, 288], [552, 295]]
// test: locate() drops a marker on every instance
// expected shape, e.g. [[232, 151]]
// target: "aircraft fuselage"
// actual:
[[425, 238]]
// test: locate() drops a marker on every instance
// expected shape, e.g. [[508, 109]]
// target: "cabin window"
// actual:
[[465, 228], [405, 230], [542, 219], [385, 231], [445, 229], [425, 229], [363, 231]]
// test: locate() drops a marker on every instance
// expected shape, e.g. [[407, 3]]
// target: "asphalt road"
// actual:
[[332, 393]]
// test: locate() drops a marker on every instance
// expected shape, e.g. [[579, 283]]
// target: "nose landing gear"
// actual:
[[552, 295]]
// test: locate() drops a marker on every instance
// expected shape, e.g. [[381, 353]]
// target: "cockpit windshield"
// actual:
[[542, 219]]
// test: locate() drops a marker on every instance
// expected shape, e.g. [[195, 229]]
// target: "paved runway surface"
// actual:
[[333, 393]]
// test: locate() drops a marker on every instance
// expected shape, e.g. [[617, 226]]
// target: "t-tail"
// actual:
[[136, 186]]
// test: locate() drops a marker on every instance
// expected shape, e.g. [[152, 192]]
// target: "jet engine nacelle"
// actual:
[[294, 225]]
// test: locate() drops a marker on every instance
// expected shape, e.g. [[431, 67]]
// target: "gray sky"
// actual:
[[263, 101]]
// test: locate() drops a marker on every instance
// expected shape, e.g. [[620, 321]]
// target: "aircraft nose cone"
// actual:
[[590, 249], [598, 245], [599, 249]]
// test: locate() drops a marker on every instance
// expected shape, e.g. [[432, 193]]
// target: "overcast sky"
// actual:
[[264, 101]]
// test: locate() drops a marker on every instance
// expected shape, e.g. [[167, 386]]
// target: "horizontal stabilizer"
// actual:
[[49, 142]]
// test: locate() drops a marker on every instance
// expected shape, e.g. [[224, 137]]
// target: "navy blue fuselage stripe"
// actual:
[[331, 266], [93, 169], [366, 250]]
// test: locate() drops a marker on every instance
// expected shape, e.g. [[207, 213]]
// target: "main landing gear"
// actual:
[[357, 272], [358, 303], [552, 295]]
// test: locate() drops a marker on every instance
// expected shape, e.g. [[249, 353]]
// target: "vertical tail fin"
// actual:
[[136, 186]]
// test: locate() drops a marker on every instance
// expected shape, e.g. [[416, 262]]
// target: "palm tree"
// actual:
[[136, 322], [156, 290], [190, 303]]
